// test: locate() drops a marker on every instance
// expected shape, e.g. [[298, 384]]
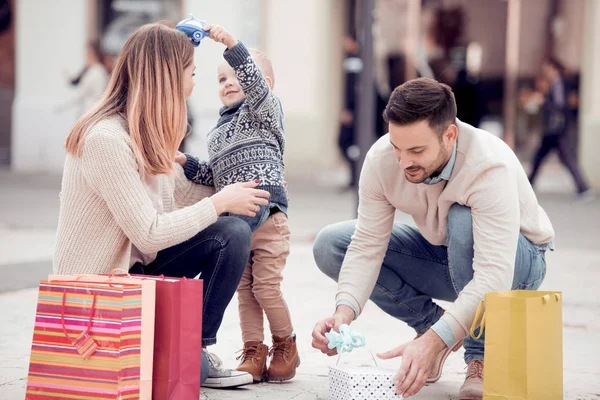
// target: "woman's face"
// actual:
[[188, 79]]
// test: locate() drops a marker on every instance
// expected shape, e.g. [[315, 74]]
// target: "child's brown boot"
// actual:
[[284, 359], [254, 360]]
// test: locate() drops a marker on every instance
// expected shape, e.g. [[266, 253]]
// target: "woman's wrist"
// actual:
[[218, 204]]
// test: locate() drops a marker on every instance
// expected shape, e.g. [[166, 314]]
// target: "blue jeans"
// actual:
[[262, 215], [414, 272], [219, 254]]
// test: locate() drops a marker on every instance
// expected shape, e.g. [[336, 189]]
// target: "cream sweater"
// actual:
[[487, 177], [105, 206]]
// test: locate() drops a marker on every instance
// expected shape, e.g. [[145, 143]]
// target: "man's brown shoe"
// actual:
[[472, 389], [436, 372], [254, 360], [284, 359]]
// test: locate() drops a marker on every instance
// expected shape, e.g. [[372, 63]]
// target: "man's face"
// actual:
[[230, 90], [419, 149]]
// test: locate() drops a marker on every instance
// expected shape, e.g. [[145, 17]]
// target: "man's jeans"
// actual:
[[414, 271], [219, 254]]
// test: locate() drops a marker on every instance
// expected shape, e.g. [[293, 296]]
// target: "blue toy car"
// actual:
[[194, 29]]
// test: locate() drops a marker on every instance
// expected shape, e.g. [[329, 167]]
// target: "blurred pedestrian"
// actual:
[[90, 83], [468, 99], [346, 139], [552, 99]]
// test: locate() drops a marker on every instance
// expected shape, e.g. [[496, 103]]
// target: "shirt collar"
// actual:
[[446, 172], [231, 109]]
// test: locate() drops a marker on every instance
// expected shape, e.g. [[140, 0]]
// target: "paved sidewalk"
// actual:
[[28, 211]]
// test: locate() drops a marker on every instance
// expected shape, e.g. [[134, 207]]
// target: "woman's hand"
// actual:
[[240, 198]]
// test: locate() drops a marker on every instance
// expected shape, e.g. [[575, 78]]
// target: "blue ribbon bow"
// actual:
[[345, 340]]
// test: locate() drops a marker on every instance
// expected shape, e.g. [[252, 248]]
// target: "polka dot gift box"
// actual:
[[357, 382], [361, 383]]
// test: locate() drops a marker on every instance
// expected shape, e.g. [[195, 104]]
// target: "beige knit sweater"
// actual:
[[105, 207], [487, 177]]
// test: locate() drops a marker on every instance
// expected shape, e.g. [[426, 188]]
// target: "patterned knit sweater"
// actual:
[[105, 206], [247, 143]]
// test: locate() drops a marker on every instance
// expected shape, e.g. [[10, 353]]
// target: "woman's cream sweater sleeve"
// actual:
[[188, 192], [110, 167]]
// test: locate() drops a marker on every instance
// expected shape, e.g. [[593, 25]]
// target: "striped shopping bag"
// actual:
[[87, 341]]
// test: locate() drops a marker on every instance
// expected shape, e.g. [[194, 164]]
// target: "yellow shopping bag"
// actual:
[[523, 345]]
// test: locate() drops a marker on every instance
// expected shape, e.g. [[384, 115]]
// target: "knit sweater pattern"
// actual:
[[248, 141]]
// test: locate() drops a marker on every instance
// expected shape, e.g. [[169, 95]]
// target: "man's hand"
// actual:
[[221, 35], [418, 357], [343, 315], [181, 159]]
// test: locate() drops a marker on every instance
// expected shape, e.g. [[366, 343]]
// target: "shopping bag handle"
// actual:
[[62, 314], [480, 314], [114, 272], [78, 278], [546, 297]]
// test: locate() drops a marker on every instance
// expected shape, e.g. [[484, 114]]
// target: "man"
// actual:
[[479, 229]]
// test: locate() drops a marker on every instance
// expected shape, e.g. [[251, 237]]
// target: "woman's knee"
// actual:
[[460, 225], [235, 232]]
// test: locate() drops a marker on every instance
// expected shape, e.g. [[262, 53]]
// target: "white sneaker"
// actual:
[[219, 377]]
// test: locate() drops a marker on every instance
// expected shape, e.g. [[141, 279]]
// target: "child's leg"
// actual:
[[253, 359], [251, 314], [270, 248]]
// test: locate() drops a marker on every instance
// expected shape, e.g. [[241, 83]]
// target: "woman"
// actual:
[[90, 83], [126, 204]]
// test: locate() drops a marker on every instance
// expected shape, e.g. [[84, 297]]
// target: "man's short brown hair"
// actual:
[[422, 99]]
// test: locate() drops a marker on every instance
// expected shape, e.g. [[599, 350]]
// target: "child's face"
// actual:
[[230, 91]]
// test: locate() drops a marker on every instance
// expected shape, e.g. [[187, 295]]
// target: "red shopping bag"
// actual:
[[178, 338]]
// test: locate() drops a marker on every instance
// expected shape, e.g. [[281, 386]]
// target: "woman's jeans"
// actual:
[[414, 271], [219, 254]]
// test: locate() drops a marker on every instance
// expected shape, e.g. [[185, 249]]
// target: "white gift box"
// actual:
[[361, 383]]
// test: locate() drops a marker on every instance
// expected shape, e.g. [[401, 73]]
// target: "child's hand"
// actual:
[[221, 35], [180, 158]]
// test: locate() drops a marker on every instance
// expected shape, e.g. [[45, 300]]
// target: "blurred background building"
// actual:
[[336, 62], [489, 51]]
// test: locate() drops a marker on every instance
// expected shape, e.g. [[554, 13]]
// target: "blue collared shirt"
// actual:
[[441, 327], [446, 172]]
